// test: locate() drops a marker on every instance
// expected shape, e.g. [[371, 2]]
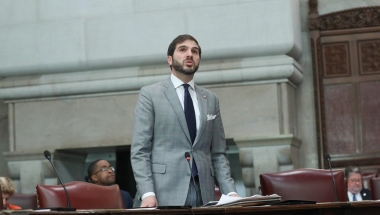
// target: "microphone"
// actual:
[[187, 156], [328, 158], [48, 156]]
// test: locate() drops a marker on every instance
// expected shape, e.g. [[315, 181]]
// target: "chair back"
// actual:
[[367, 179], [25, 201], [375, 188], [83, 195], [305, 184], [218, 194]]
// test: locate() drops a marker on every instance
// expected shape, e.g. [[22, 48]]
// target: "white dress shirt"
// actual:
[[181, 95], [351, 196]]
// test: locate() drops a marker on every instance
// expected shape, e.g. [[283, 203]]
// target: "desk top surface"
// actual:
[[364, 207]]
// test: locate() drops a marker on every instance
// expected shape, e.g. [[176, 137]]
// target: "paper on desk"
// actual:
[[42, 210], [252, 200], [224, 199], [143, 208]]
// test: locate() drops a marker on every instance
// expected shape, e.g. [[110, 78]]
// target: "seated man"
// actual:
[[102, 173], [7, 190], [355, 191]]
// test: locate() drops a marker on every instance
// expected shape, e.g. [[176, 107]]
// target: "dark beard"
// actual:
[[179, 68]]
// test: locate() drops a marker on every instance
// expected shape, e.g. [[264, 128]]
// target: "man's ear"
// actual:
[[94, 178], [170, 60]]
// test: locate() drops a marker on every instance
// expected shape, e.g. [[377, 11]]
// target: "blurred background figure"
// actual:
[[100, 172], [7, 190], [355, 191]]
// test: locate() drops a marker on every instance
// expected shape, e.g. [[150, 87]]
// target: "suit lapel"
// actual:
[[202, 102], [172, 97]]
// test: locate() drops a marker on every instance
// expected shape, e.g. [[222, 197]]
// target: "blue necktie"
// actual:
[[191, 122], [354, 198]]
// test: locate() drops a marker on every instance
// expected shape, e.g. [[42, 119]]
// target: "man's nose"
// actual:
[[189, 53]]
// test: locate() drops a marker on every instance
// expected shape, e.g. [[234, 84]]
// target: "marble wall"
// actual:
[[72, 70], [74, 84]]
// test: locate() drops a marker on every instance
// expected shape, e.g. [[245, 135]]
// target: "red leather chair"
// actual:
[[25, 201], [218, 194], [83, 195], [367, 179], [304, 184], [375, 188]]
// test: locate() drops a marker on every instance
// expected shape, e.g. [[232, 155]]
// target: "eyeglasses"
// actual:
[[355, 180], [105, 169]]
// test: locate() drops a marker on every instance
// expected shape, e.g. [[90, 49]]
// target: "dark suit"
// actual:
[[366, 194], [127, 200], [161, 138]]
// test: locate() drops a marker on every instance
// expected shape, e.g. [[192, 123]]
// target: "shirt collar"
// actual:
[[352, 194], [177, 82]]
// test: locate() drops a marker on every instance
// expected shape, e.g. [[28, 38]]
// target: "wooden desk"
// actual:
[[343, 208]]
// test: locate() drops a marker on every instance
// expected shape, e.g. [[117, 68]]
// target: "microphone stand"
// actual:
[[187, 156], [68, 208], [328, 158]]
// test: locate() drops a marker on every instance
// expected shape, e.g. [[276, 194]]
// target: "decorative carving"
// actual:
[[335, 58], [354, 18], [314, 24], [369, 59], [313, 15], [313, 6]]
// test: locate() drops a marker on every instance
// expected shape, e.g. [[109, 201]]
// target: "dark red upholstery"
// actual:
[[367, 179], [25, 201], [304, 184], [83, 195], [375, 188], [218, 194]]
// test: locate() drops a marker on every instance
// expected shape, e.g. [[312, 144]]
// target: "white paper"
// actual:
[[224, 199]]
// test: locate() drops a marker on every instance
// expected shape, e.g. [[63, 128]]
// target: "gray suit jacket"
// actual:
[[161, 138]]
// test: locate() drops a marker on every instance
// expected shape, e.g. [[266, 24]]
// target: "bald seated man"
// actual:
[[102, 173]]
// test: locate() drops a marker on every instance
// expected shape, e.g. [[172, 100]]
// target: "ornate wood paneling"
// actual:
[[336, 60], [369, 57], [370, 108], [348, 19], [346, 66], [339, 119]]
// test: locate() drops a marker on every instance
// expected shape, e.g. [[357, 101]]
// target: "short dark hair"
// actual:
[[180, 39], [91, 169], [352, 169]]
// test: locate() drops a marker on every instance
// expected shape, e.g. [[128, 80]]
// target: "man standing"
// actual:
[[100, 172], [355, 191], [173, 117]]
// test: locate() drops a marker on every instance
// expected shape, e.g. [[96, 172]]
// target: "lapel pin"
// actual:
[[364, 194], [204, 96]]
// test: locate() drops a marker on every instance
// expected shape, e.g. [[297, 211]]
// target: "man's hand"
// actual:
[[149, 201]]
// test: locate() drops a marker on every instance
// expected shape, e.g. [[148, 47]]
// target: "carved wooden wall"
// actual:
[[346, 63]]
